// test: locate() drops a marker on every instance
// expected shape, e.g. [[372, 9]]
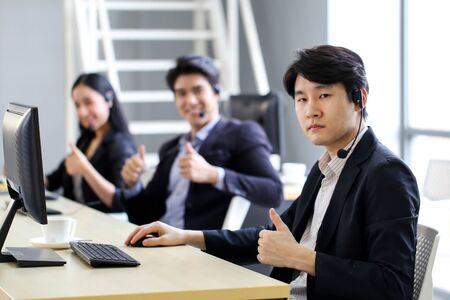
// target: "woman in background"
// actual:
[[92, 171]]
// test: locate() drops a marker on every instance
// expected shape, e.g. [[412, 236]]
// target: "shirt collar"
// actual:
[[202, 134], [335, 166]]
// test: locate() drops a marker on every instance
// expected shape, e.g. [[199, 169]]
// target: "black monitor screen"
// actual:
[[23, 160], [265, 110]]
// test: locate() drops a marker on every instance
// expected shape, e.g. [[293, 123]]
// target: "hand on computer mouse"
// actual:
[[139, 242]]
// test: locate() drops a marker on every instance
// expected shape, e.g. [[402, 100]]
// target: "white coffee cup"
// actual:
[[59, 229], [294, 172]]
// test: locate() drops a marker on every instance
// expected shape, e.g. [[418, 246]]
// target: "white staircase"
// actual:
[[210, 34]]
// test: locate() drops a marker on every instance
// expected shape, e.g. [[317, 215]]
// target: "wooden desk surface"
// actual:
[[180, 272]]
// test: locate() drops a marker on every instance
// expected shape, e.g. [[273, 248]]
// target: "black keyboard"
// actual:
[[102, 255]]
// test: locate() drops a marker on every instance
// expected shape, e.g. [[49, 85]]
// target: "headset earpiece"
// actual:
[[216, 89], [109, 96], [357, 97]]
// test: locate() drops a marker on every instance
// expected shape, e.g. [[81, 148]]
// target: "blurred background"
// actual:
[[403, 43]]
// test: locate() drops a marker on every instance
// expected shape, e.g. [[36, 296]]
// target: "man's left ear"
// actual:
[[365, 94], [359, 98]]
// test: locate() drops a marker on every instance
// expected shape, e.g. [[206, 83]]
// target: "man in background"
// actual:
[[200, 171]]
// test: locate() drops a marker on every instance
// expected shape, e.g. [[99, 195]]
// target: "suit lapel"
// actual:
[[306, 200], [212, 137], [169, 154], [337, 202], [342, 190]]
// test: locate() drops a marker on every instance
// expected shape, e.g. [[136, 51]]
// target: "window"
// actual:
[[374, 30], [355, 24], [428, 64], [428, 132]]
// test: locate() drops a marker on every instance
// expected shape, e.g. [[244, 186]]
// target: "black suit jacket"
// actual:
[[367, 241], [242, 149], [108, 160]]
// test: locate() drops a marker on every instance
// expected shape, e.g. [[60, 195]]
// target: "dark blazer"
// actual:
[[242, 149], [367, 241], [108, 160]]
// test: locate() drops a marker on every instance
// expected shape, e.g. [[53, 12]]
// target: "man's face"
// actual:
[[195, 100], [325, 114]]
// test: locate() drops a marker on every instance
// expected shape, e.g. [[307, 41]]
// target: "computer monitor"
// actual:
[[267, 111], [23, 168]]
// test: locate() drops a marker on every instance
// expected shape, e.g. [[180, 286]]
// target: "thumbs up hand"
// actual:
[[76, 162], [133, 167], [141, 152], [279, 248], [195, 168], [277, 222], [189, 149]]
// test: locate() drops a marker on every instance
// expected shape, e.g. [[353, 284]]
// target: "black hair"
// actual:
[[327, 64], [195, 64], [101, 85]]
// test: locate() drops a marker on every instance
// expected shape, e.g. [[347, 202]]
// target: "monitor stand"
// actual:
[[13, 206], [35, 257], [25, 257]]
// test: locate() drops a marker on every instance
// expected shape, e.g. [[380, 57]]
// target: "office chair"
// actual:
[[427, 243], [437, 180], [267, 111], [236, 213]]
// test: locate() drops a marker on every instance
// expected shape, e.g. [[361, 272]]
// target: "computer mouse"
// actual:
[[141, 240]]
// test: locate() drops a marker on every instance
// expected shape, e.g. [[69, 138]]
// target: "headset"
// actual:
[[109, 96], [357, 97]]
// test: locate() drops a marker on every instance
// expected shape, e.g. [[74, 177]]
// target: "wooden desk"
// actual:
[[181, 272]]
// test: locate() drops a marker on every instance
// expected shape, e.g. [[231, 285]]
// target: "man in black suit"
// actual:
[[200, 171], [351, 234]]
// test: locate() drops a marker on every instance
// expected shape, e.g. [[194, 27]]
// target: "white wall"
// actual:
[[284, 26], [32, 67], [32, 62]]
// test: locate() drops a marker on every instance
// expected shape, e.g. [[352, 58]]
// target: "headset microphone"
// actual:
[[201, 114], [357, 99]]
